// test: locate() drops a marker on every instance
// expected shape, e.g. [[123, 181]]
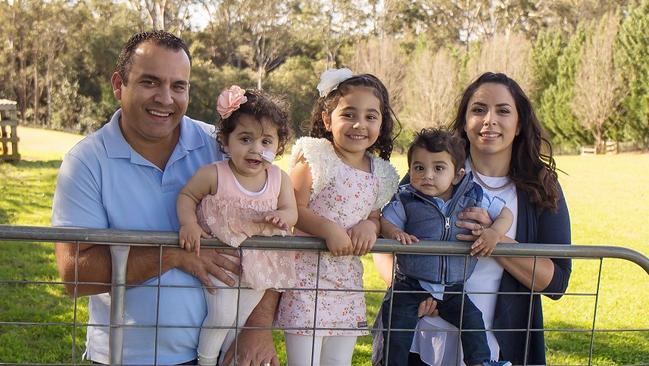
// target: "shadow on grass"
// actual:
[[609, 348], [4, 216], [35, 164], [44, 313]]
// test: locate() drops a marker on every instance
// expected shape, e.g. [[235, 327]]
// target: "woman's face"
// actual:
[[492, 120]]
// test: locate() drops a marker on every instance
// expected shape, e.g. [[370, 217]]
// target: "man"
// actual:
[[127, 175]]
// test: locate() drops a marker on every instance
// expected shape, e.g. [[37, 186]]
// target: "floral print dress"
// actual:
[[346, 196]]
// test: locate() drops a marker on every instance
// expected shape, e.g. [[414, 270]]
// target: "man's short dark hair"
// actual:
[[438, 140], [159, 37]]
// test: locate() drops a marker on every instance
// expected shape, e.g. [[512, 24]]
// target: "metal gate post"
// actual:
[[119, 254]]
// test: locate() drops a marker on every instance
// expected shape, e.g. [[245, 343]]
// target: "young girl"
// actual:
[[235, 199], [340, 187]]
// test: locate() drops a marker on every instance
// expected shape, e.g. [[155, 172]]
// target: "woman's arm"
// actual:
[[337, 239], [552, 274], [384, 263]]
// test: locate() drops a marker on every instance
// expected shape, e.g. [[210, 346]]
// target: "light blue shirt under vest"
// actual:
[[104, 183], [395, 213]]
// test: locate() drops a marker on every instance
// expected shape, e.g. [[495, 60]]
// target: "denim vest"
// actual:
[[427, 222]]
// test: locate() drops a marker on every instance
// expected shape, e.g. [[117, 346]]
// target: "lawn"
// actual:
[[607, 197]]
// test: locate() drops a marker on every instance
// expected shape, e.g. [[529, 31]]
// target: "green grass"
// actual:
[[607, 197]]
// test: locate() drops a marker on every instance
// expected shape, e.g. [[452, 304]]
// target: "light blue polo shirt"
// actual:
[[104, 183]]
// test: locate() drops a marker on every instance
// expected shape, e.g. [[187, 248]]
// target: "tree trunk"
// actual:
[[36, 93], [260, 76]]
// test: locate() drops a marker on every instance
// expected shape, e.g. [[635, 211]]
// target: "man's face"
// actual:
[[156, 95]]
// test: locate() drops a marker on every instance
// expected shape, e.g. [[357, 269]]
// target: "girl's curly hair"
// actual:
[[259, 105], [384, 143]]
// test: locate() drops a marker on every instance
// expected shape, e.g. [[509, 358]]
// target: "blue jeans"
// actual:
[[404, 316]]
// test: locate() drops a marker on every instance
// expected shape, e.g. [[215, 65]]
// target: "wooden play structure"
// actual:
[[8, 134]]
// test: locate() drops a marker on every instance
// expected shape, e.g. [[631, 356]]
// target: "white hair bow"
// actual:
[[331, 78]]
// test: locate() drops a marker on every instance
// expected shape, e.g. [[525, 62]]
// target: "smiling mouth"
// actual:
[[489, 134], [357, 137], [157, 113]]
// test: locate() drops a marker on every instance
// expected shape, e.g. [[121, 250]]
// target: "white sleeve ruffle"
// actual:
[[321, 158], [388, 181]]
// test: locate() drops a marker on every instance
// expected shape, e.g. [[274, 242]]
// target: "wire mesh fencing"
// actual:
[[41, 324]]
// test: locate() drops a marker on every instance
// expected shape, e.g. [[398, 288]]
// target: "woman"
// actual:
[[509, 158]]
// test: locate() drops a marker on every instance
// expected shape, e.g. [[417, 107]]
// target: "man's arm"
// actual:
[[78, 203], [94, 265], [255, 346]]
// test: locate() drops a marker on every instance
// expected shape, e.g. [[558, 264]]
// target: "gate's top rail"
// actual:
[[156, 238]]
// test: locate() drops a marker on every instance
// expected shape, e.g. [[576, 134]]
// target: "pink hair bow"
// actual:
[[230, 100]]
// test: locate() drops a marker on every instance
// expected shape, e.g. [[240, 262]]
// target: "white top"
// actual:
[[436, 340]]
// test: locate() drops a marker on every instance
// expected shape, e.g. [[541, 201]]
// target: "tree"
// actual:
[[384, 59], [507, 53], [547, 48], [632, 55], [169, 15], [432, 87], [554, 110], [597, 81]]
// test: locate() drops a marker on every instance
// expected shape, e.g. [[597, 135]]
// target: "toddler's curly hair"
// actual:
[[259, 105]]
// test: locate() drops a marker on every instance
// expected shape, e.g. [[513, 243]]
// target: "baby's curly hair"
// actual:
[[259, 105], [436, 140], [383, 145]]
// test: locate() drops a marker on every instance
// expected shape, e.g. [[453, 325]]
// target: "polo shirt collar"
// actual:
[[117, 146]]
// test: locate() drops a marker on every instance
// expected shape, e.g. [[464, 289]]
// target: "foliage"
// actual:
[[57, 57], [295, 80], [597, 83], [546, 50], [555, 108], [631, 56]]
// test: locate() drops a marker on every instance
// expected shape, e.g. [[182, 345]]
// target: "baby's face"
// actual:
[[433, 173], [252, 145]]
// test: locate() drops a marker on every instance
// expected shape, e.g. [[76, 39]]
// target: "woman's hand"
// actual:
[[474, 219], [427, 307]]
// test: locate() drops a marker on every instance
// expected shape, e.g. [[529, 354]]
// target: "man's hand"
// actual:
[[211, 262], [255, 346]]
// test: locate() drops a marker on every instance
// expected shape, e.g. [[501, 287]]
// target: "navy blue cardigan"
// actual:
[[533, 226]]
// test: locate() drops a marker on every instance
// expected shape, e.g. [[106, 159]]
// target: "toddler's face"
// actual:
[[433, 173], [249, 142]]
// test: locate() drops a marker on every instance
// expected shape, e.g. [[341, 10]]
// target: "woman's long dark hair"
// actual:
[[383, 145], [532, 167]]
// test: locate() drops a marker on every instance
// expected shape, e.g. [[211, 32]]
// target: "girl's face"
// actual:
[[355, 123], [245, 144], [492, 120]]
